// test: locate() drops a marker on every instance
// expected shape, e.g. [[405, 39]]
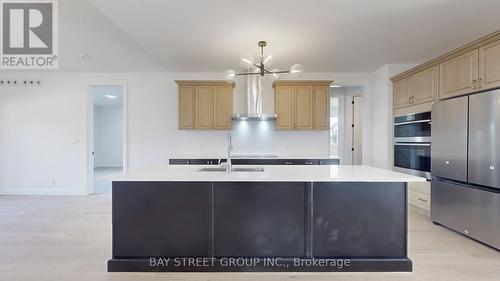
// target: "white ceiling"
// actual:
[[322, 35], [84, 30]]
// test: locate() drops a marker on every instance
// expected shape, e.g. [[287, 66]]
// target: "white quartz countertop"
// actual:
[[330, 173]]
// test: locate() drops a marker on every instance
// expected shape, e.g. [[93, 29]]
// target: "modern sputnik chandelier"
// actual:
[[260, 67]]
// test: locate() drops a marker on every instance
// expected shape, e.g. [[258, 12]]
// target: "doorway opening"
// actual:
[[346, 124], [107, 140]]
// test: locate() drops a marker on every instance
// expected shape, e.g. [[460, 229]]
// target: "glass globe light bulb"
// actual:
[[230, 75], [267, 60], [296, 70], [246, 61], [275, 75]]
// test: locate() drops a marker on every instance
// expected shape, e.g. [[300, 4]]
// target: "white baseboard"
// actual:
[[40, 191]]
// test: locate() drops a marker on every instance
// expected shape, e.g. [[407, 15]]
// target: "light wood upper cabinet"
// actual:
[[186, 107], [303, 108], [284, 107], [470, 68], [489, 66], [459, 75], [302, 104], [321, 107], [223, 107], [204, 109], [422, 87], [425, 86], [403, 91], [205, 105]]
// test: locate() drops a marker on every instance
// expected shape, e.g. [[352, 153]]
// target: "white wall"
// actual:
[[44, 138], [379, 103], [108, 136]]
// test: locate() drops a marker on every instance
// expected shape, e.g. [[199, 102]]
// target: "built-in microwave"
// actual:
[[412, 144]]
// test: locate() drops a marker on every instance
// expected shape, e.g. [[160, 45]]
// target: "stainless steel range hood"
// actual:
[[253, 101]]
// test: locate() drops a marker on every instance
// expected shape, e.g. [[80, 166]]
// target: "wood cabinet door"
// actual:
[[186, 107], [284, 106], [321, 107], [457, 76], [223, 108], [303, 107], [489, 66], [402, 92], [204, 107], [425, 86]]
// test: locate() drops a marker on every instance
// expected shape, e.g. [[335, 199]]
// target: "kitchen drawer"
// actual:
[[419, 200], [422, 187]]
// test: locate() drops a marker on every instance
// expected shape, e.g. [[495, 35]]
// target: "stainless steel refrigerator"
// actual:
[[465, 165]]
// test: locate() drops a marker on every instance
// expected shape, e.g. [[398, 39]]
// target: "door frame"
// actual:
[[345, 99], [90, 132]]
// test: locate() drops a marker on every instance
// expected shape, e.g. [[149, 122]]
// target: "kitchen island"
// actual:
[[286, 218]]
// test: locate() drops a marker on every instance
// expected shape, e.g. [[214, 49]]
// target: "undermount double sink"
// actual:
[[234, 169]]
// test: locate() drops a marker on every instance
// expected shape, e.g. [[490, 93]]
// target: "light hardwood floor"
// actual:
[[69, 238]]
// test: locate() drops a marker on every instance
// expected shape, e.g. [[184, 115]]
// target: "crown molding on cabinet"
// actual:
[[302, 83], [204, 83], [450, 55]]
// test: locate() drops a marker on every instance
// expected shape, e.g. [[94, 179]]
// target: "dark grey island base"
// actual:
[[259, 226]]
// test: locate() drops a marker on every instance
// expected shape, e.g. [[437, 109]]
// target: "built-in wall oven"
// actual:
[[412, 144]]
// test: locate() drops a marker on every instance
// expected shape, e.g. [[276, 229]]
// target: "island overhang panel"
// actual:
[[259, 225]]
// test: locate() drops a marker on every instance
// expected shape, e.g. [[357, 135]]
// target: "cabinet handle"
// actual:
[[474, 85], [480, 83], [423, 200]]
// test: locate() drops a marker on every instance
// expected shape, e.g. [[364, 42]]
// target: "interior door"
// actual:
[[357, 141], [484, 139], [449, 139]]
